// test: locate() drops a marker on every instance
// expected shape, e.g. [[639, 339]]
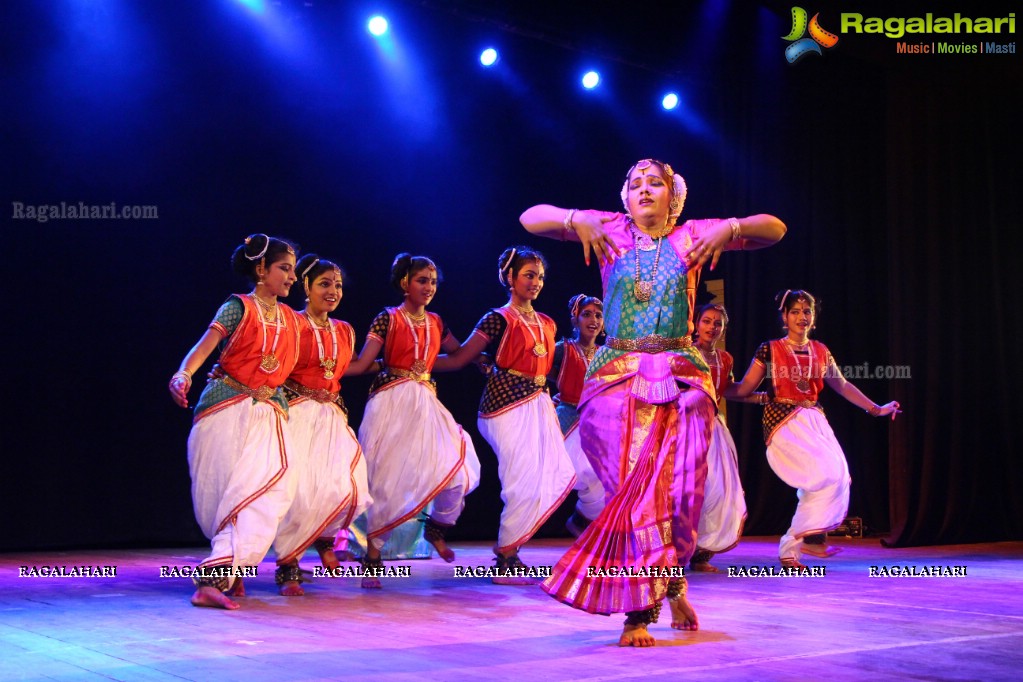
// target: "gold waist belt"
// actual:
[[539, 379], [409, 374], [262, 394], [797, 403], [654, 343], [320, 395]]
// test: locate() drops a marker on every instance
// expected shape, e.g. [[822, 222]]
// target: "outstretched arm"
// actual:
[[845, 388], [194, 360], [585, 227], [462, 355], [742, 390], [366, 363]]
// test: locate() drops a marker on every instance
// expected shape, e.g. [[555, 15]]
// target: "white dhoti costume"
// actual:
[[803, 452], [242, 484], [330, 474], [415, 453], [535, 469]]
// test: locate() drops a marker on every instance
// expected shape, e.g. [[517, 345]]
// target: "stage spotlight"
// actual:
[[488, 57], [670, 101], [591, 79], [254, 5], [378, 25]]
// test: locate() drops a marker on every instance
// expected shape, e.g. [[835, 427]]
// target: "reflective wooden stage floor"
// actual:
[[845, 625]]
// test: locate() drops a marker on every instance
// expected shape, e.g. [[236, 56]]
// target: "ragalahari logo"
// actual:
[[802, 46]]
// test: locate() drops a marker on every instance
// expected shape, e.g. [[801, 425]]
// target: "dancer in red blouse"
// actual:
[[724, 504], [516, 414], [801, 447], [238, 448], [572, 358], [415, 451], [327, 461]]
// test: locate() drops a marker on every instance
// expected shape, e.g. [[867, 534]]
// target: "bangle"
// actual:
[[874, 410], [182, 374], [734, 222], [567, 223]]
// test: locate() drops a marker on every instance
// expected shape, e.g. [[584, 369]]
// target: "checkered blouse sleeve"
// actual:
[[491, 326], [763, 354], [378, 328]]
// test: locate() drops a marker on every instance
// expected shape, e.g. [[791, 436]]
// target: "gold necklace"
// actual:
[[419, 366], [539, 343], [268, 361], [802, 380], [641, 289], [328, 364], [588, 353], [524, 309], [413, 316], [269, 310]]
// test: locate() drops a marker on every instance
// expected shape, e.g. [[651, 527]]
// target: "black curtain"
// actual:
[[954, 213]]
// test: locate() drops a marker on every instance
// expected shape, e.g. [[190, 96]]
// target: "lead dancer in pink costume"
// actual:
[[646, 408]]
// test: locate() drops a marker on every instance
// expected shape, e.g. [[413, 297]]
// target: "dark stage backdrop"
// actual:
[[897, 176]]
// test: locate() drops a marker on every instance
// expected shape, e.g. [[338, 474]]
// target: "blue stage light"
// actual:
[[378, 25], [591, 79], [670, 101], [488, 57], [254, 5]]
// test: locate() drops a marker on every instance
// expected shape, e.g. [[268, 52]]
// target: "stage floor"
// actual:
[[845, 625]]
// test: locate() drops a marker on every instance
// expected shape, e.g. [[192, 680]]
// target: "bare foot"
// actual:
[[820, 551], [636, 635], [291, 588], [433, 532], [704, 567], [212, 597], [511, 571], [445, 552], [328, 559], [683, 616], [237, 589], [789, 562]]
